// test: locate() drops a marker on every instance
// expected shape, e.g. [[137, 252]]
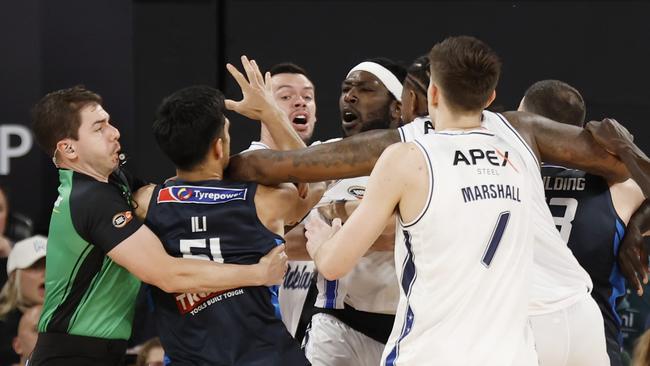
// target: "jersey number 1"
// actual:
[[495, 238]]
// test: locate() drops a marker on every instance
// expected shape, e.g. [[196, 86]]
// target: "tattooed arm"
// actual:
[[351, 157], [567, 145]]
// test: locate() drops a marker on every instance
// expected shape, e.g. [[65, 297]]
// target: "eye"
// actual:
[[308, 98], [285, 97], [345, 89]]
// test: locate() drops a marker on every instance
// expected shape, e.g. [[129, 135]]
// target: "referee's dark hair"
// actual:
[[187, 123], [556, 100]]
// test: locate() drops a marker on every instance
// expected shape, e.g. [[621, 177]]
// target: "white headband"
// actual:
[[384, 75]]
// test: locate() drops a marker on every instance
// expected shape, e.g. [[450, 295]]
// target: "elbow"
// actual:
[[330, 272]]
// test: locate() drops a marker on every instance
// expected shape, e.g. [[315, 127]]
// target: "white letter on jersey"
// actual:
[[199, 226]]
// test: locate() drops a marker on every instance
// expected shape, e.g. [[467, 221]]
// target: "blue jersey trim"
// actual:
[[409, 275], [330, 293], [616, 279]]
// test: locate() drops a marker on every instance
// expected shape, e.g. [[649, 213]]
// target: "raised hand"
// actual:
[[257, 101]]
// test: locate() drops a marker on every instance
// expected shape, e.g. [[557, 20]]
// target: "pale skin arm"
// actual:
[[143, 255], [335, 254]]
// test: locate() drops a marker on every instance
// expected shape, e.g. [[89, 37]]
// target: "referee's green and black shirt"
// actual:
[[86, 293]]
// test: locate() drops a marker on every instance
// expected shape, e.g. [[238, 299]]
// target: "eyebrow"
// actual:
[[101, 121], [291, 86]]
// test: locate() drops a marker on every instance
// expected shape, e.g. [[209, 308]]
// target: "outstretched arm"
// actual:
[[143, 255], [567, 145], [351, 157], [336, 253]]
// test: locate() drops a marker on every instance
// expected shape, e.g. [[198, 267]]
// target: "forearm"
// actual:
[[351, 157], [284, 136], [192, 275], [640, 220]]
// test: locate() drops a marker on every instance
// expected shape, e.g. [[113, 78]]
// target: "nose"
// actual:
[[300, 102], [116, 132], [350, 96]]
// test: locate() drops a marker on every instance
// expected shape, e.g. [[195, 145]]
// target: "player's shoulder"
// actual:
[[142, 198], [90, 190]]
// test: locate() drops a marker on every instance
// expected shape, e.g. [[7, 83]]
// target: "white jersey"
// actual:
[[465, 261], [371, 286], [558, 279]]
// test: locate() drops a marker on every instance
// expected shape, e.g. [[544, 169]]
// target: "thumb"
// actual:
[[277, 250], [336, 224], [232, 105]]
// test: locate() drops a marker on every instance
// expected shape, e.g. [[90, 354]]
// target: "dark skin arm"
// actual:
[[355, 156], [351, 157], [616, 139], [567, 145], [633, 255]]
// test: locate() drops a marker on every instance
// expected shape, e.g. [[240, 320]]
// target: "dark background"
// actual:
[[135, 52]]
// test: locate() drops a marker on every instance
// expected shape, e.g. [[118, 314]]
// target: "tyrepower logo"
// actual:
[[200, 195]]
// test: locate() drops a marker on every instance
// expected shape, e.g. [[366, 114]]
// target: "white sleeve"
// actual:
[[256, 145], [419, 127]]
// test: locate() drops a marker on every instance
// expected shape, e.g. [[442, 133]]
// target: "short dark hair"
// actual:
[[556, 100], [287, 68], [187, 122], [467, 71], [56, 116], [417, 74], [395, 67]]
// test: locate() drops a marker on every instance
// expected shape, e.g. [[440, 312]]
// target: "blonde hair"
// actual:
[[11, 297], [641, 355]]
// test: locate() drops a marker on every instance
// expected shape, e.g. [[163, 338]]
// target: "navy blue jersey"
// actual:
[[216, 220], [583, 211]]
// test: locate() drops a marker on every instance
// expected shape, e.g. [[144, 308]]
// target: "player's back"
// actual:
[[464, 263], [584, 213], [217, 220]]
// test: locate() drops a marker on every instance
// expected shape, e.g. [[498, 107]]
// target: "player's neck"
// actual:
[[450, 120], [266, 139], [86, 170], [201, 173]]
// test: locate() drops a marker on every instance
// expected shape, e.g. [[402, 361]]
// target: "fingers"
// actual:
[[267, 82], [258, 74], [231, 105], [277, 250], [629, 272], [250, 71], [336, 224], [238, 76]]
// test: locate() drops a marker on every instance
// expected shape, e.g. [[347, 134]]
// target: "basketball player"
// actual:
[[97, 252], [591, 214], [354, 315], [464, 292], [295, 95], [201, 215], [560, 282]]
